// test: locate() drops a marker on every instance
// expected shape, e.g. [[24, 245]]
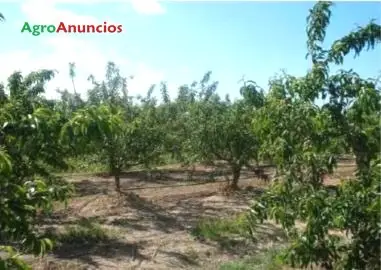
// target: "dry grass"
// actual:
[[149, 226]]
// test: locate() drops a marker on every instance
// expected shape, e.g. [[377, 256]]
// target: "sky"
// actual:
[[176, 42]]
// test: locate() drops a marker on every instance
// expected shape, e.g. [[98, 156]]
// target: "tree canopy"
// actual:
[[282, 125]]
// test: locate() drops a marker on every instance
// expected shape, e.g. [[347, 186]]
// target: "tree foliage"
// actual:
[[124, 134], [305, 141], [29, 133]]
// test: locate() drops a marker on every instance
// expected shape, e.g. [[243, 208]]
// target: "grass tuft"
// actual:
[[215, 229], [267, 260], [86, 232]]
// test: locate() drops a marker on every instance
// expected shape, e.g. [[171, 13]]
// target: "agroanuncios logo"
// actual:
[[38, 29]]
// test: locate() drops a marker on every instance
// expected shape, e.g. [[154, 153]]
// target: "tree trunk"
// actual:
[[75, 92], [236, 170], [115, 171], [117, 181]]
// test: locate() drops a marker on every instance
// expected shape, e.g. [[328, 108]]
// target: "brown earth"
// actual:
[[151, 221]]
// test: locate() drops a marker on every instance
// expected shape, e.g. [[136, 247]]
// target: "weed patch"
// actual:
[[85, 232], [217, 229], [267, 260]]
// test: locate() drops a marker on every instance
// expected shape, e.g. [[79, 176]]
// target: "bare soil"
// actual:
[[151, 221]]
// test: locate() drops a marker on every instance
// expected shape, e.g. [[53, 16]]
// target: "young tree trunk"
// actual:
[[75, 92], [115, 171], [117, 181], [236, 170], [257, 160]]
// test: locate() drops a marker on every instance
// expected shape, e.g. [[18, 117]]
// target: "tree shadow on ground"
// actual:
[[180, 213], [243, 195], [183, 260], [87, 187], [188, 212], [136, 179], [92, 245], [108, 249], [246, 244], [74, 221], [130, 223], [146, 209], [234, 246], [172, 176], [180, 174]]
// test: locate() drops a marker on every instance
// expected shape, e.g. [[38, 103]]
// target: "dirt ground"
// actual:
[[151, 221]]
